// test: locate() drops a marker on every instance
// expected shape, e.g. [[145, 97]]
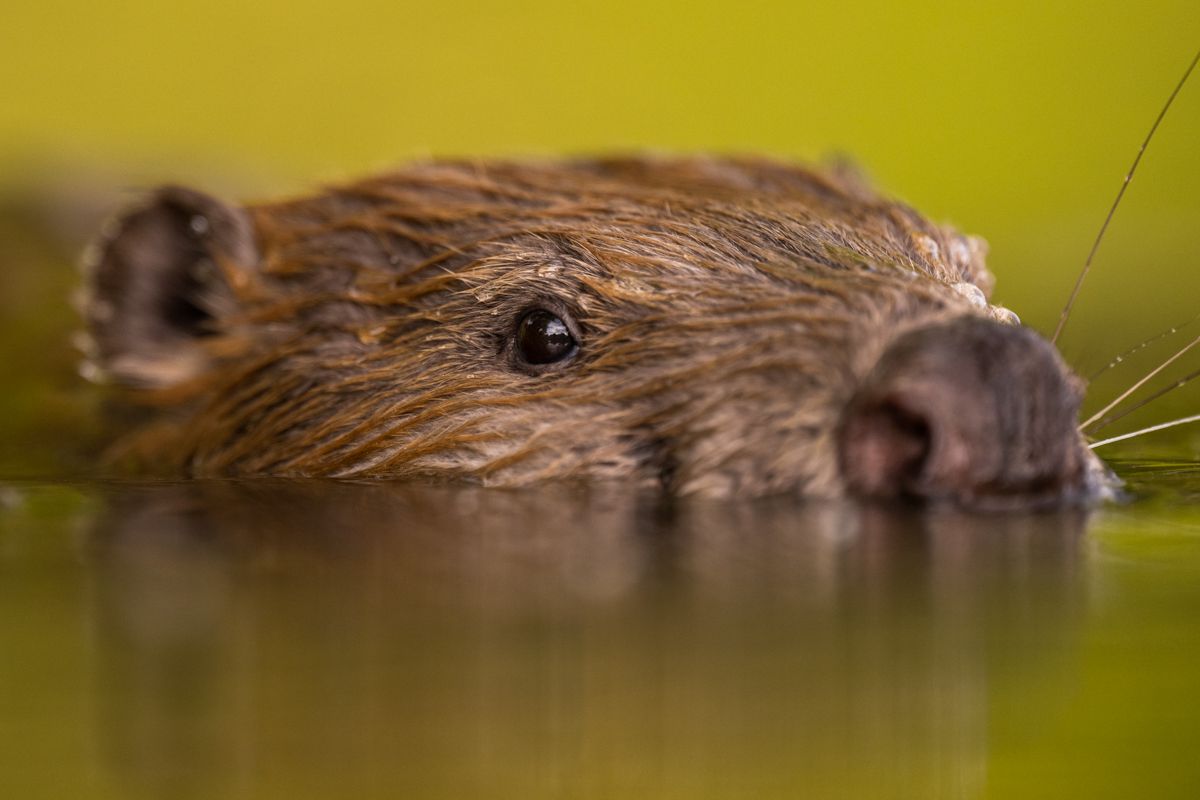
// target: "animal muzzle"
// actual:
[[968, 411]]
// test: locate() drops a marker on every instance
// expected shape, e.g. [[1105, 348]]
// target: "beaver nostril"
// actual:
[[883, 447]]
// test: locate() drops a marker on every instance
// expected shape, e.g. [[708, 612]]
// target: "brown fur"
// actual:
[[728, 311]]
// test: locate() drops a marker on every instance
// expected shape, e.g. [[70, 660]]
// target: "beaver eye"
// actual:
[[543, 338]]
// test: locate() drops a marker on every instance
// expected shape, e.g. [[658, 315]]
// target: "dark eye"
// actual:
[[543, 338]]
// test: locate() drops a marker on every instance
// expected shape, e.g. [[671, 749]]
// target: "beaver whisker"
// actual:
[[1181, 382], [1087, 264], [1139, 384], [1162, 426]]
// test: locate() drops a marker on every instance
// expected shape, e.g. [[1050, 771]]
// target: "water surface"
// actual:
[[314, 639]]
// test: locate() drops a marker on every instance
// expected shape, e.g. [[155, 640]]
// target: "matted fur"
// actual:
[[728, 311]]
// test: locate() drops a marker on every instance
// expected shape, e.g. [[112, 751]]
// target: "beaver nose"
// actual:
[[971, 411]]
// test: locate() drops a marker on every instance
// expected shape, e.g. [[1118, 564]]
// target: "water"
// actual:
[[308, 639]]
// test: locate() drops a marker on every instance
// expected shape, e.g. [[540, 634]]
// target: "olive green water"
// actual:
[[294, 640], [274, 639]]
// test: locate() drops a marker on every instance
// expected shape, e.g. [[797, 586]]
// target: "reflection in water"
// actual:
[[307, 639]]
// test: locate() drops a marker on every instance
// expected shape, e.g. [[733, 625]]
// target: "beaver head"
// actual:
[[716, 326]]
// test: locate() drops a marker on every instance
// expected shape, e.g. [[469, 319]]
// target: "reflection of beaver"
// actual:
[[480, 641], [726, 327]]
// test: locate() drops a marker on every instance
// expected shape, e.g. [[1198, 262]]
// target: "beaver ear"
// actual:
[[156, 285]]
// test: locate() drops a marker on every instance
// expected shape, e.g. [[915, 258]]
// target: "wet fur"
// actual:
[[728, 310]]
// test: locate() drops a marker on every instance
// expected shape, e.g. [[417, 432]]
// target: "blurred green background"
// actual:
[[1015, 121]]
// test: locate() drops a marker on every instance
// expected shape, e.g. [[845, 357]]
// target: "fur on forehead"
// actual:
[[707, 213]]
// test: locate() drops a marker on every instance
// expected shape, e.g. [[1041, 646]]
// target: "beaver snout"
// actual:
[[969, 411]]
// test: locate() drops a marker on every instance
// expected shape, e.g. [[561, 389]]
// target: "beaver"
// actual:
[[721, 326]]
